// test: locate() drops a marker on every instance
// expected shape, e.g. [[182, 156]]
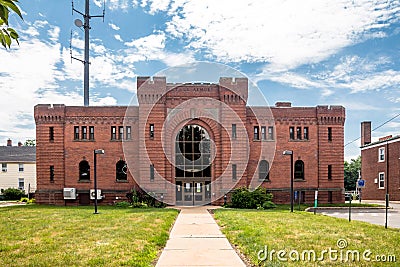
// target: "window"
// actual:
[[121, 132], [51, 133], [51, 173], [151, 131], [4, 167], [91, 132], [329, 172], [84, 132], [256, 133], [263, 170], [234, 175], [128, 133], [305, 133], [298, 133], [263, 133], [329, 196], [381, 157], [120, 170], [20, 167], [76, 133], [152, 172], [291, 133], [299, 170], [233, 131], [84, 170], [193, 152], [113, 132], [21, 183], [270, 133], [381, 180], [329, 133]]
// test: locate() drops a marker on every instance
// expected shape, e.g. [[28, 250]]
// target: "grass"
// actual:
[[35, 235], [252, 230]]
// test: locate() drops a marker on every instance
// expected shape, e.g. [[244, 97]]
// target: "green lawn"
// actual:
[[35, 235], [252, 231]]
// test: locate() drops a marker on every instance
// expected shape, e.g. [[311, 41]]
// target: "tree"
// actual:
[[30, 142], [7, 34], [351, 170]]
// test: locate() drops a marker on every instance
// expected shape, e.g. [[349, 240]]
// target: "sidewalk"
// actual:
[[196, 240]]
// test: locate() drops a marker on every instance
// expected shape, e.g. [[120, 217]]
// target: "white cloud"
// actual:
[[118, 38], [34, 73], [114, 27], [286, 34]]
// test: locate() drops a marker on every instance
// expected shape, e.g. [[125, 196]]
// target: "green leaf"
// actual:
[[10, 4], [7, 39], [3, 42], [13, 33], [4, 14]]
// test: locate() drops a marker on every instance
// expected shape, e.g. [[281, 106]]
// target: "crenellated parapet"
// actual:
[[151, 89], [49, 113], [331, 115]]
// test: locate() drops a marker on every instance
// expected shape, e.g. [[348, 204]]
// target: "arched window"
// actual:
[[263, 170], [84, 170], [120, 170], [299, 170], [193, 152]]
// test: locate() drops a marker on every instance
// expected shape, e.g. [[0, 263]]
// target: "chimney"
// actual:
[[9, 142], [283, 104], [365, 133], [19, 144]]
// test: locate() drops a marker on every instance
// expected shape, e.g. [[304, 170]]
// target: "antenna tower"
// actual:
[[86, 26]]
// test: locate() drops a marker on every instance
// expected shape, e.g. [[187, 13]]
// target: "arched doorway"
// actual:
[[193, 166]]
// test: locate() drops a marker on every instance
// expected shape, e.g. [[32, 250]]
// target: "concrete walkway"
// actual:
[[196, 240]]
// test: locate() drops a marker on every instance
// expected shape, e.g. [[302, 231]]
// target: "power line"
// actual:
[[376, 128]]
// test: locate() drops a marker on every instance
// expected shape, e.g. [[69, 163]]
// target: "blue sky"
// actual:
[[307, 52]]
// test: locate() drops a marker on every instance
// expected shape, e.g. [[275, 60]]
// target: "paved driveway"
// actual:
[[375, 216]]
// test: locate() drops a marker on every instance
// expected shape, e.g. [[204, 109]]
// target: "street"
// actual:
[[370, 215]]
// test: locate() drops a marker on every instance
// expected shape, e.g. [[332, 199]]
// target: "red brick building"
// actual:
[[188, 144], [380, 165]]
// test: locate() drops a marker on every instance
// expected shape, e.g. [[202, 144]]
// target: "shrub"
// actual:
[[31, 201], [243, 198], [123, 204], [268, 205], [139, 198], [24, 199], [13, 194]]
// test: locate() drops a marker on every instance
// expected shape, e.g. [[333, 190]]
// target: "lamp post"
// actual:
[[290, 152], [95, 152], [387, 184]]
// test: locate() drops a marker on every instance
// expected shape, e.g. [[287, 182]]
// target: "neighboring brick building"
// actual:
[[18, 167], [380, 165], [189, 144]]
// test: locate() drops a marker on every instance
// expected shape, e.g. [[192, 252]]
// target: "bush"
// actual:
[[140, 198], [24, 199], [243, 198], [31, 201], [123, 204], [13, 194], [268, 205]]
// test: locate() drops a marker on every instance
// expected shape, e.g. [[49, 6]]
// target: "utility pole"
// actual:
[[86, 26]]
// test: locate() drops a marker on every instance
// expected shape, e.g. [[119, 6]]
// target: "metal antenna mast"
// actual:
[[86, 26]]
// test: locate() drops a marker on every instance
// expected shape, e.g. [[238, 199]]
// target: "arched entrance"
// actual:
[[193, 166]]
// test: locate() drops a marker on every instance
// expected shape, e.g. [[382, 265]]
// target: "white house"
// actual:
[[18, 167]]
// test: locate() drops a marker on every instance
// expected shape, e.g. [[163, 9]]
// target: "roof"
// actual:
[[17, 154], [384, 141]]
